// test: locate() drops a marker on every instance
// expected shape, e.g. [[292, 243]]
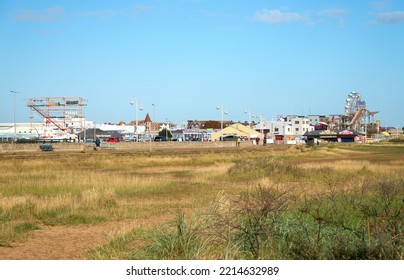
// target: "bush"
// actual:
[[268, 223]]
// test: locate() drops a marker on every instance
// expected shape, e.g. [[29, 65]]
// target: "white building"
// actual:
[[40, 130], [315, 119], [291, 129], [301, 125]]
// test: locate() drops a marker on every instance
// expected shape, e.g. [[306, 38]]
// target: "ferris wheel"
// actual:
[[354, 103]]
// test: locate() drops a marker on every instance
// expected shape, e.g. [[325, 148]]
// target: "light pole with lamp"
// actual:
[[167, 127], [221, 108], [249, 120], [94, 132], [261, 128], [154, 116], [15, 124], [137, 108]]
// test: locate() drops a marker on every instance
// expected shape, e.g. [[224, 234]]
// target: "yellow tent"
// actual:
[[385, 133], [238, 130]]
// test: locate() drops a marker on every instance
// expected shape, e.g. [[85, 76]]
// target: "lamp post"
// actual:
[[154, 116], [249, 120], [137, 108], [94, 132], [167, 127], [261, 127], [221, 108], [84, 127], [15, 124]]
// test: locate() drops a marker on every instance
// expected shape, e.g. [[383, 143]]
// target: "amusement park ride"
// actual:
[[64, 113], [356, 116], [63, 117]]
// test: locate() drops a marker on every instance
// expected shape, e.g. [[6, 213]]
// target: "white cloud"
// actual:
[[391, 17], [277, 17], [334, 12], [53, 14]]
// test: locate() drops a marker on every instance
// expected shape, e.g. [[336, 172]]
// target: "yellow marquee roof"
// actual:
[[236, 129]]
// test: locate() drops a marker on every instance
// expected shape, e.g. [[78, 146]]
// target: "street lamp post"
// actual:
[[94, 132], [137, 108], [84, 127], [249, 120], [154, 111], [154, 116], [167, 126], [261, 127], [15, 124], [221, 108]]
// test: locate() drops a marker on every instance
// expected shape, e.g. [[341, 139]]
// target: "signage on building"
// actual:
[[346, 132]]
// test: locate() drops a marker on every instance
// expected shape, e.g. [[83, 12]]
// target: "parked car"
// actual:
[[159, 139], [113, 139], [229, 138]]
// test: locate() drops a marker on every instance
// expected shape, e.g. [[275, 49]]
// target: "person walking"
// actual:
[[97, 143]]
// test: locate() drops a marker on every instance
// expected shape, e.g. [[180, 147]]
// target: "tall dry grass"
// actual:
[[94, 187]]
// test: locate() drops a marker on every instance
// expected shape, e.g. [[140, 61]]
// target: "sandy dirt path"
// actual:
[[66, 242]]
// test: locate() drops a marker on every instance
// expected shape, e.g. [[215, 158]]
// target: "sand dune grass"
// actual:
[[90, 188]]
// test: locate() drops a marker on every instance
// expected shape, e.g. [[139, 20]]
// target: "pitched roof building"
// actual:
[[236, 129]]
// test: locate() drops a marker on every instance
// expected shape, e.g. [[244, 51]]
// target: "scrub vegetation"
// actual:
[[272, 202]]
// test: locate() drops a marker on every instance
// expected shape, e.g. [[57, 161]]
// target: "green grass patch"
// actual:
[[25, 227]]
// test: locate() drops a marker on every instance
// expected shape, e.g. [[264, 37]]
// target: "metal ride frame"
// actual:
[[58, 110], [356, 112]]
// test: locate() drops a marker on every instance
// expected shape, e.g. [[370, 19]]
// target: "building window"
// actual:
[[296, 122], [276, 129], [297, 129]]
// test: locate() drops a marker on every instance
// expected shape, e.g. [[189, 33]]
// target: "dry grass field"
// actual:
[[198, 201]]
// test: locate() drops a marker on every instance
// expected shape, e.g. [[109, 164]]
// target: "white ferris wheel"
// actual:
[[354, 103]]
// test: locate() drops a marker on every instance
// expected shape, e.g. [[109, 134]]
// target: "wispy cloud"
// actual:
[[277, 17], [47, 31], [140, 9], [334, 12], [53, 14], [100, 14], [380, 6], [391, 17]]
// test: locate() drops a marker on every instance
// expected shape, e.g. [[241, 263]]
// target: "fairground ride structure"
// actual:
[[62, 115], [356, 116]]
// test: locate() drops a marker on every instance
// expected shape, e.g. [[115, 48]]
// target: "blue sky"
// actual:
[[189, 56]]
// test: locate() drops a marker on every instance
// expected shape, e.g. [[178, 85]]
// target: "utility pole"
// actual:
[[15, 124]]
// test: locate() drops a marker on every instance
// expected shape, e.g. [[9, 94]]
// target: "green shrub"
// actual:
[[268, 223]]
